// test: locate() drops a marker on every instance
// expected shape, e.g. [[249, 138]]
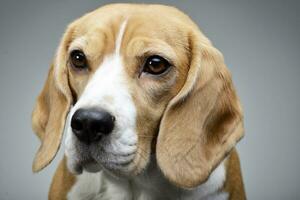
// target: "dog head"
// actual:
[[136, 80]]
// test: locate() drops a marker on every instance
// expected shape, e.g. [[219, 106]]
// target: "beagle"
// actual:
[[147, 107]]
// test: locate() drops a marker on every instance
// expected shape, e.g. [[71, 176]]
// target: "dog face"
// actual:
[[137, 80]]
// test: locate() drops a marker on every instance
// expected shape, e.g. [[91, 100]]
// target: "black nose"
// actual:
[[89, 125]]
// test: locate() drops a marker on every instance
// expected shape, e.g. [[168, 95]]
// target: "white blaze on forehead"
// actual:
[[120, 37], [109, 80], [108, 90]]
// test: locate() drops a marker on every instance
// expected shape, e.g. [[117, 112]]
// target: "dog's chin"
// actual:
[[92, 167], [114, 167]]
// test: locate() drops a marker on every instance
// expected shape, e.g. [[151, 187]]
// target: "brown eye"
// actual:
[[78, 60], [156, 65]]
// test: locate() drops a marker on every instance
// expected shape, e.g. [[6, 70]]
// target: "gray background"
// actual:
[[260, 42]]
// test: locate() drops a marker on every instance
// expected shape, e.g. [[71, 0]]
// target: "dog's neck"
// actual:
[[150, 185]]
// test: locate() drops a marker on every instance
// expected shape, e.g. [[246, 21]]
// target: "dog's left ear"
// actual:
[[51, 109], [203, 122]]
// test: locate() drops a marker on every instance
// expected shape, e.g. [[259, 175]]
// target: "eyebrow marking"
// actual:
[[78, 43], [119, 38]]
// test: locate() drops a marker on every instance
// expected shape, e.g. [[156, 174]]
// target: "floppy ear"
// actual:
[[48, 120], [203, 122], [50, 112]]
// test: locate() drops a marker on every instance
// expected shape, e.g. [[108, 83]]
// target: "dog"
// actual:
[[147, 107]]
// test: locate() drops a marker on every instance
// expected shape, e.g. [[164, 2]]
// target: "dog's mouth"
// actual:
[[90, 166], [94, 158]]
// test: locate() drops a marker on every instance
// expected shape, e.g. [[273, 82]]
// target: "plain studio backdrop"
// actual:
[[259, 39]]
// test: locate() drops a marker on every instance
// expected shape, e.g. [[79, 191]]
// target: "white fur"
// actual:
[[149, 186]]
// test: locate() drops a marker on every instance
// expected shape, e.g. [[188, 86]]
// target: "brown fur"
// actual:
[[191, 118], [48, 120], [234, 183], [202, 123], [62, 182]]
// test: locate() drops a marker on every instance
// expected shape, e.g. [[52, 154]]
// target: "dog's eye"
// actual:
[[156, 65], [78, 60]]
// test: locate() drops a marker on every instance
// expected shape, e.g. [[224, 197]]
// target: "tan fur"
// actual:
[[191, 118], [234, 183], [62, 182], [202, 123], [48, 121]]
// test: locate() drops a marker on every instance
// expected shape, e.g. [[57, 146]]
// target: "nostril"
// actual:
[[113, 119], [107, 122], [76, 124]]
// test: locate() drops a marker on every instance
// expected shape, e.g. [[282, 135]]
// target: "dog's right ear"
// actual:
[[52, 107]]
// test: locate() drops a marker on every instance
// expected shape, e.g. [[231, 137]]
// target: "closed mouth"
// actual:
[[113, 161], [94, 162]]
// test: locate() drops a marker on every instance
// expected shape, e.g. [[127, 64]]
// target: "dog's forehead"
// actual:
[[154, 21], [153, 13]]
